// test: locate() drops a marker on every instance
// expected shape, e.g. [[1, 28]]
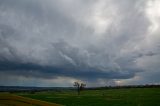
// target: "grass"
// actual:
[[111, 97], [7, 99]]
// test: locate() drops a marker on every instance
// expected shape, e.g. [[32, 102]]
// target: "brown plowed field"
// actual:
[[14, 100]]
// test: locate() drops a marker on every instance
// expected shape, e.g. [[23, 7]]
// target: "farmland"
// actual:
[[15, 100], [108, 97]]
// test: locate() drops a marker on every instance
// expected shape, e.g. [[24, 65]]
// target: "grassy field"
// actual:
[[7, 99], [111, 97]]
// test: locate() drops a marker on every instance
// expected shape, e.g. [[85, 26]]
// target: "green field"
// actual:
[[110, 97]]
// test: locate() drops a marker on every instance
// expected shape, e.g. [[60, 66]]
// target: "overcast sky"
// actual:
[[99, 42]]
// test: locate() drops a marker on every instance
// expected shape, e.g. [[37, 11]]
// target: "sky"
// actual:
[[99, 42]]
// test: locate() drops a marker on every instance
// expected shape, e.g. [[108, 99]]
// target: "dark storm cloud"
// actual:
[[70, 65], [85, 40], [32, 70]]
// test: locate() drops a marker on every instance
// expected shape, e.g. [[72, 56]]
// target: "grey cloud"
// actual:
[[72, 67], [93, 40], [32, 70]]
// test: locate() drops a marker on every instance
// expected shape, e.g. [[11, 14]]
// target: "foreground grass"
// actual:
[[7, 99], [112, 97]]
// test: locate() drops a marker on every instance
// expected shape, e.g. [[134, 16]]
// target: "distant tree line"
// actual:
[[79, 87], [126, 86]]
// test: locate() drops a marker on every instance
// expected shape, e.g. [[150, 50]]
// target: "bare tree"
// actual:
[[80, 86]]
